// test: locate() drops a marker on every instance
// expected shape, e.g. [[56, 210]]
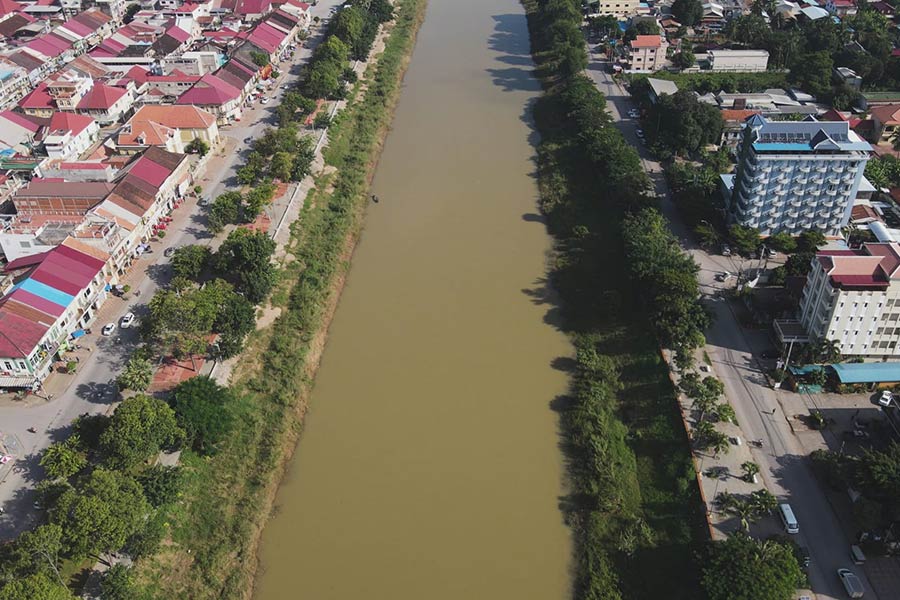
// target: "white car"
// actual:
[[127, 320], [264, 101], [108, 329], [886, 398]]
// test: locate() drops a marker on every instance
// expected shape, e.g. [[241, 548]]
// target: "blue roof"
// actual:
[[782, 147], [879, 372], [46, 292]]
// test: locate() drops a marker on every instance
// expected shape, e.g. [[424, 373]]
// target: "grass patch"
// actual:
[[228, 496]]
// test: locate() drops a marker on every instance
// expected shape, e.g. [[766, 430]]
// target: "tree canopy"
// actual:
[[139, 428], [100, 516], [203, 409], [687, 12], [741, 568]]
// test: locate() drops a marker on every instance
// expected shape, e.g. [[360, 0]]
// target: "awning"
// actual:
[[16, 382], [78, 333]]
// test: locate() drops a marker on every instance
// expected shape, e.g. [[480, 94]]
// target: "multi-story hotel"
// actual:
[[795, 176], [853, 297]]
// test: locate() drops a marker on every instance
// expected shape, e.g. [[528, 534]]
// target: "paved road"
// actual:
[[785, 470], [91, 390]]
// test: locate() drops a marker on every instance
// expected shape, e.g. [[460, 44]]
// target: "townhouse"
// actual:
[[169, 127]]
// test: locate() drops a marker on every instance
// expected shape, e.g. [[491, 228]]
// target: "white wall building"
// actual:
[[740, 61], [853, 298], [795, 176]]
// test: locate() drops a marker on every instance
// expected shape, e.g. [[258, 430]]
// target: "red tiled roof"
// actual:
[[209, 91], [252, 7], [889, 113], [20, 120], [66, 121], [101, 97], [738, 114], [18, 335], [179, 34], [646, 41], [39, 98], [9, 6]]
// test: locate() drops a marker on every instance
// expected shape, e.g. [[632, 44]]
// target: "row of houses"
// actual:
[[69, 243]]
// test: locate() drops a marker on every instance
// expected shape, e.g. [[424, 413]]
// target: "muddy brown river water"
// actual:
[[429, 467]]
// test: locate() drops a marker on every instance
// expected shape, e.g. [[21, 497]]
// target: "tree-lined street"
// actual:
[[785, 470]]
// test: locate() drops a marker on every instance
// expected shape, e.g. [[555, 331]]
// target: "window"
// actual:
[[879, 331], [21, 365], [8, 365]]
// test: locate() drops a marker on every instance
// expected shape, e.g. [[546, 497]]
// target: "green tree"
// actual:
[[782, 242], [234, 321], [197, 146], [137, 375], [684, 59], [809, 241], [35, 587], [745, 240], [260, 59], [36, 553], [741, 568], [750, 470], [161, 484], [139, 428], [685, 125], [191, 260], [247, 256], [707, 236], [117, 584], [813, 73], [687, 12], [102, 515], [282, 165], [348, 25], [63, 459], [226, 209], [203, 409]]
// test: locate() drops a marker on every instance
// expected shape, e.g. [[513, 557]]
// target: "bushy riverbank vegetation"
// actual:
[[626, 287], [194, 529]]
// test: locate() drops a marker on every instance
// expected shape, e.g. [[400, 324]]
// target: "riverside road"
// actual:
[[786, 471], [91, 390]]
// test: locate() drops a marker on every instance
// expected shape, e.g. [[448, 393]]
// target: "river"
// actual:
[[429, 465]]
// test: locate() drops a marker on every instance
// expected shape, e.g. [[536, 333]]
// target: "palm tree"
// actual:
[[750, 469], [828, 351], [895, 139]]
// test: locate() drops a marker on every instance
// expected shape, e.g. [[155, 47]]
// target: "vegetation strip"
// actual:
[[634, 505]]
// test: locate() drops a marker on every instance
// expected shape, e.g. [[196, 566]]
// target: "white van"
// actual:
[[787, 517]]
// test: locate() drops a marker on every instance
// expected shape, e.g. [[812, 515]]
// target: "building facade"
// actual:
[[795, 176], [648, 53], [852, 297]]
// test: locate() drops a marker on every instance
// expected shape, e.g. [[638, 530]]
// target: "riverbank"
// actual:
[[229, 497], [633, 503]]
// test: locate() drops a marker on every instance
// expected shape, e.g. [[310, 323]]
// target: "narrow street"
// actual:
[[784, 469], [91, 390]]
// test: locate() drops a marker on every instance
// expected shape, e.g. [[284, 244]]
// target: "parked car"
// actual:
[[127, 320], [803, 557], [108, 329], [852, 584], [169, 251], [886, 398], [203, 201], [265, 100]]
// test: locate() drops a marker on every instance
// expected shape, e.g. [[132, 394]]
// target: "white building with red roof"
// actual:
[[852, 297], [647, 53], [69, 134], [216, 96], [106, 104], [169, 126]]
